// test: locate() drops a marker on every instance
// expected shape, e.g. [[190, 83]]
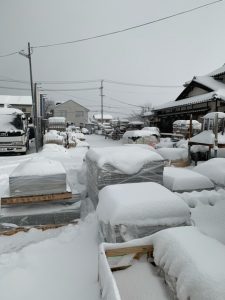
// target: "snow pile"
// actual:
[[204, 137], [173, 154], [214, 169], [56, 120], [53, 137], [128, 160], [180, 180], [37, 176], [193, 263], [61, 266], [145, 203], [208, 212], [182, 144], [165, 143]]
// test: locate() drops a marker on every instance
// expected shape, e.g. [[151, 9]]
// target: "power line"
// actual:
[[69, 82], [13, 88], [67, 90], [9, 54], [142, 85], [123, 102], [128, 28]]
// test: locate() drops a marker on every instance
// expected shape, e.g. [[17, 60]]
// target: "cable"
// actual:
[[64, 90], [14, 80], [9, 54], [142, 85], [128, 28], [120, 101], [13, 88], [68, 82]]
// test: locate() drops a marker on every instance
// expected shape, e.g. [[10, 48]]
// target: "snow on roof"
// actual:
[[127, 160], [53, 120], [212, 115], [218, 71], [136, 123], [22, 100], [204, 137], [196, 261], [192, 100], [10, 111], [105, 117], [181, 179], [145, 203], [209, 82]]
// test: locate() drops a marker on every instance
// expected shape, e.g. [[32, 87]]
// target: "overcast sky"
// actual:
[[170, 52]]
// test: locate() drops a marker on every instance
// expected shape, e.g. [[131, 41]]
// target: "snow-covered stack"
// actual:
[[133, 210], [113, 165], [37, 176], [52, 137]]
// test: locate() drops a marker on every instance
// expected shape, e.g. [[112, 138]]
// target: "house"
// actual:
[[23, 103], [201, 95], [72, 111], [97, 118]]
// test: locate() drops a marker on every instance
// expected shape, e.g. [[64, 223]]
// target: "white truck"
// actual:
[[14, 131]]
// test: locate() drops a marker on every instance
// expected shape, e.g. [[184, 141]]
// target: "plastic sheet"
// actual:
[[97, 177], [38, 177], [123, 233]]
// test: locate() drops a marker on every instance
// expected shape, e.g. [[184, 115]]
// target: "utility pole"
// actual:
[[101, 89], [32, 91]]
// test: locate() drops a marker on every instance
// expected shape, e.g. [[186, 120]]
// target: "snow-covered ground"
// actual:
[[63, 263]]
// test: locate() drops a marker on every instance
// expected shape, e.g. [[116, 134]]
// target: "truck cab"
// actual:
[[14, 131]]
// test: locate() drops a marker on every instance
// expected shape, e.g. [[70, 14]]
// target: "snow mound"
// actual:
[[214, 169], [179, 179], [145, 203], [128, 160], [173, 153], [194, 262]]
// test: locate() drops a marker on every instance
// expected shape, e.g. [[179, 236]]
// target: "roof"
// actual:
[[18, 100], [70, 101], [99, 117], [218, 71], [10, 111], [148, 113]]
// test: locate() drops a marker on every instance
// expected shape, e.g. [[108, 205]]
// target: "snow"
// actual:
[[204, 137], [22, 100], [58, 120], [105, 117], [214, 169], [196, 261], [145, 203], [38, 167], [139, 133], [10, 111], [128, 160], [63, 265], [208, 212], [180, 179], [212, 115], [173, 153]]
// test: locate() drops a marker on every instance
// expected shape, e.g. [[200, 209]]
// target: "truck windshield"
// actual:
[[11, 122]]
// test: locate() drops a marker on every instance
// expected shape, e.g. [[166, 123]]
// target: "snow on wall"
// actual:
[[145, 203]]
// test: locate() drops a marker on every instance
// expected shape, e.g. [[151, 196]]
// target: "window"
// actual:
[[79, 114]]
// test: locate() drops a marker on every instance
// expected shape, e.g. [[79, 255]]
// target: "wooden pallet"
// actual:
[[36, 198], [12, 231]]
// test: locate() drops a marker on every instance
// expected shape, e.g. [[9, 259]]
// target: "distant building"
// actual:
[[98, 118], [201, 95], [72, 111], [23, 103]]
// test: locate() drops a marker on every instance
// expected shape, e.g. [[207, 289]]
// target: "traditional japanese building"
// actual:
[[201, 95]]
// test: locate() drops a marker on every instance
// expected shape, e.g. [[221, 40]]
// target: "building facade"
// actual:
[[73, 112], [201, 95], [23, 103]]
